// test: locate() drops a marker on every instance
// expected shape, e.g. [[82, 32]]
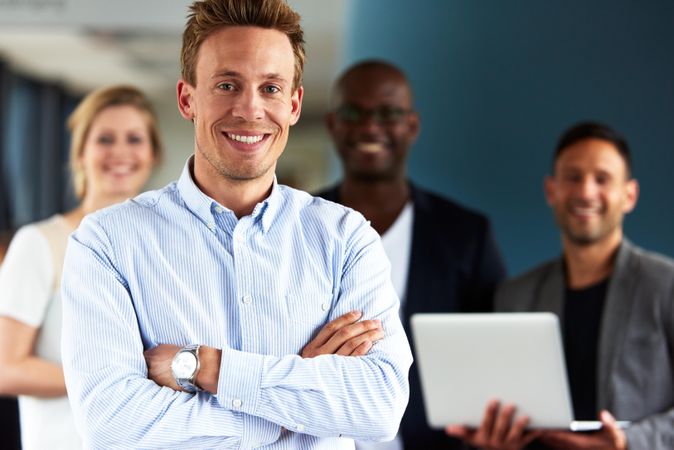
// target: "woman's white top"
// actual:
[[30, 293]]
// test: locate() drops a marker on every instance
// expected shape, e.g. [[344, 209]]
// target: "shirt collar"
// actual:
[[204, 207], [268, 209]]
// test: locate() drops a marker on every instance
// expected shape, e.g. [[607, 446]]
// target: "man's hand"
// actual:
[[159, 360], [345, 336], [497, 431], [610, 437]]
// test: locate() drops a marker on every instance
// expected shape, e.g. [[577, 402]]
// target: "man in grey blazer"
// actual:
[[616, 305]]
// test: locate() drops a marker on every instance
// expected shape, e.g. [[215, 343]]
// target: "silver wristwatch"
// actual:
[[185, 367]]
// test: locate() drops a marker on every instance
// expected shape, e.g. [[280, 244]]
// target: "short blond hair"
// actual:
[[207, 16], [79, 124]]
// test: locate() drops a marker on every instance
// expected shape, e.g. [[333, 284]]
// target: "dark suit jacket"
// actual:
[[454, 266], [636, 341]]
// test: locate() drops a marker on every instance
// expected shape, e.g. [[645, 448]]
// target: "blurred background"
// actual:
[[496, 83]]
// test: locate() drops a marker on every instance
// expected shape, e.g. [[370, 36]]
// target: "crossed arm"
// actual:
[[345, 336], [250, 397]]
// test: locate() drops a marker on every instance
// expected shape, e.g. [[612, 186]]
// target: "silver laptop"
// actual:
[[465, 360]]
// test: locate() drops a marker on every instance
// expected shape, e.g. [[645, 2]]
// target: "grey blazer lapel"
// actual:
[[550, 296], [617, 307]]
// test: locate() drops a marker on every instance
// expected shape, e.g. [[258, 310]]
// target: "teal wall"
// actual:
[[497, 82]]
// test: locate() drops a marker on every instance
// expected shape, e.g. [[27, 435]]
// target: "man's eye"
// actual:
[[271, 89], [390, 114], [603, 179], [349, 113], [226, 86]]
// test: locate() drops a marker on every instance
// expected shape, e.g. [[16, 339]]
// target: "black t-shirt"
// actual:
[[582, 318]]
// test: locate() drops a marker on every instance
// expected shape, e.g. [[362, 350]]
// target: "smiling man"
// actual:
[[223, 310], [443, 256], [615, 302]]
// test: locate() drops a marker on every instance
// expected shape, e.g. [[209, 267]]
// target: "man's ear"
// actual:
[[296, 104], [413, 123], [631, 195], [185, 93]]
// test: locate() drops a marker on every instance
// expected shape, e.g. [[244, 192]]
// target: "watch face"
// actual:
[[184, 364]]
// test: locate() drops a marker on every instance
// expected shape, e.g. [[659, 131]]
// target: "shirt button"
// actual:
[[219, 209], [247, 299], [325, 306], [211, 226], [237, 403], [300, 427]]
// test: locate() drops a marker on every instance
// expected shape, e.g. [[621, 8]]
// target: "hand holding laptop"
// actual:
[[502, 430], [467, 359], [499, 430], [611, 436]]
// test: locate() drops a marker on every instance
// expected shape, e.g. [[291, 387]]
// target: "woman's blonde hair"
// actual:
[[79, 124]]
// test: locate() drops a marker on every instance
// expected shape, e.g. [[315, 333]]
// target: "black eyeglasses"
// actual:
[[381, 115]]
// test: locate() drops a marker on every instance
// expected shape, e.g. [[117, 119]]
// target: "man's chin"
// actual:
[[244, 174], [373, 176], [584, 239]]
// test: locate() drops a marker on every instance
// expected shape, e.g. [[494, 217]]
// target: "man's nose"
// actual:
[[588, 187], [248, 106]]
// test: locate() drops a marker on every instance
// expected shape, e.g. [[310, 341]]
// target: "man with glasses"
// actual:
[[443, 256]]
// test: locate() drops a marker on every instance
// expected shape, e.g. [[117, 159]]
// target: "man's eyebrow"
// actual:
[[226, 73], [274, 76], [234, 74]]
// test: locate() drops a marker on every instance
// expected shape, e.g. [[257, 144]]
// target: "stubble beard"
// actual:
[[240, 174], [588, 237]]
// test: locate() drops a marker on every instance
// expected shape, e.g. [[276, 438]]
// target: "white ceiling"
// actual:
[[84, 44]]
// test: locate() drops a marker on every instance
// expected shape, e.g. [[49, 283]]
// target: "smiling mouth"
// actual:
[[254, 139], [370, 147], [585, 211], [120, 170]]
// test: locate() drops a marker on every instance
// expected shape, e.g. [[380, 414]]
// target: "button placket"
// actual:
[[247, 293]]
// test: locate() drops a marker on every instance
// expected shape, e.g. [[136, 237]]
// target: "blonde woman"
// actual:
[[115, 144]]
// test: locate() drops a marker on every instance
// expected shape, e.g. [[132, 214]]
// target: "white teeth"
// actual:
[[120, 170], [245, 139], [370, 147], [585, 211]]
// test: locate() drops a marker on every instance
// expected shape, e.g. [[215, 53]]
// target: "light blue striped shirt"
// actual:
[[174, 266]]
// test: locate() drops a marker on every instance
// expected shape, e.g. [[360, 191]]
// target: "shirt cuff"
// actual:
[[239, 380], [239, 386]]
